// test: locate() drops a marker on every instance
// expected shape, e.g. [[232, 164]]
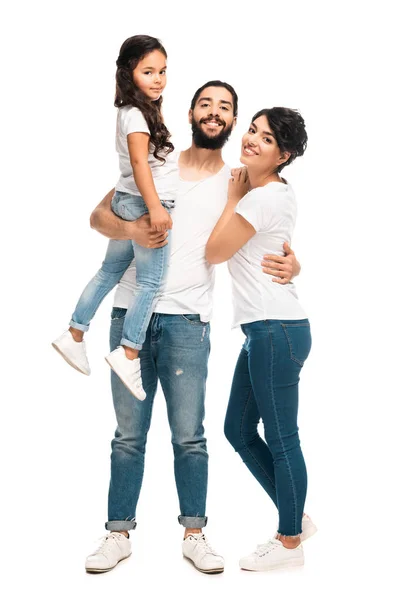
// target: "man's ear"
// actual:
[[234, 122], [190, 115]]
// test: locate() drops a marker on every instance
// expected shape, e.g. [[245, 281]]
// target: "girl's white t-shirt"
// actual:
[[271, 210], [165, 175]]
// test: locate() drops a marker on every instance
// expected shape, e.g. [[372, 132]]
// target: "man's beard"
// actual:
[[201, 140]]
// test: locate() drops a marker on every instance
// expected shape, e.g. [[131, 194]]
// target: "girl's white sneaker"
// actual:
[[128, 371], [273, 555], [74, 353]]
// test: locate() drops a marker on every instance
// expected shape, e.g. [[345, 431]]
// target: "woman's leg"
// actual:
[[277, 351], [242, 418], [118, 257]]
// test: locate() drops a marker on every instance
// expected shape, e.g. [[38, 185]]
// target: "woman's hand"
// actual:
[[238, 184], [160, 219]]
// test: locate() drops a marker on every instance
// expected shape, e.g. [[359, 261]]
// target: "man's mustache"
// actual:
[[216, 119]]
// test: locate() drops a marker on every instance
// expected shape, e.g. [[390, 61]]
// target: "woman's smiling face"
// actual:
[[260, 148]]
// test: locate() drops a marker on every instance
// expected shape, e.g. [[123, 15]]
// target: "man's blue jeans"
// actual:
[[265, 385], [175, 352]]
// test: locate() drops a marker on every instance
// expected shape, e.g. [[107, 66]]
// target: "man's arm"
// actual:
[[107, 223], [284, 268]]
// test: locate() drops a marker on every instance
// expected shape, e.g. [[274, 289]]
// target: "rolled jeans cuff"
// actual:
[[121, 525], [125, 342], [193, 522], [78, 326]]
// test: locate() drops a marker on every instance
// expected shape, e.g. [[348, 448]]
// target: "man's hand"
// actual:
[[146, 237], [284, 268]]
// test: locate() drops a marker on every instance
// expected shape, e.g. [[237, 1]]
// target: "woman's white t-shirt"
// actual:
[[271, 210], [165, 175]]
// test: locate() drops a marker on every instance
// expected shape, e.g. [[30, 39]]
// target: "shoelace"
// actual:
[[102, 543], [265, 548], [203, 543]]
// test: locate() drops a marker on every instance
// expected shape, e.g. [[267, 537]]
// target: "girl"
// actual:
[[148, 184], [278, 339]]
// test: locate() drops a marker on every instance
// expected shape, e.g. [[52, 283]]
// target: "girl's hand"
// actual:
[[160, 219], [239, 184]]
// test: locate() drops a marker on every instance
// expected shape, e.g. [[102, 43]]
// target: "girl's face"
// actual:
[[150, 74], [259, 147]]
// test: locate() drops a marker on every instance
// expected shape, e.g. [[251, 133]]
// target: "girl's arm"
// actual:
[[138, 146], [232, 231]]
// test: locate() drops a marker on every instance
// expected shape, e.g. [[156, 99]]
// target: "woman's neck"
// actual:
[[259, 179]]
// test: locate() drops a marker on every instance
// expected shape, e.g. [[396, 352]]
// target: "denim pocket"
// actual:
[[194, 319], [298, 336], [118, 313], [128, 207]]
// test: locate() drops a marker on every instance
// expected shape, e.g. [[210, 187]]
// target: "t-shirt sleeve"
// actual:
[[134, 122], [257, 208]]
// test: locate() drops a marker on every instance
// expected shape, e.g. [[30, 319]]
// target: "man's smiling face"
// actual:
[[212, 118]]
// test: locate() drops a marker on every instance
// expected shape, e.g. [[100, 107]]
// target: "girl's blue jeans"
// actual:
[[265, 386], [151, 269]]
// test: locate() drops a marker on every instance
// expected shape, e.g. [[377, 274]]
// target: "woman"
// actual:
[[260, 214]]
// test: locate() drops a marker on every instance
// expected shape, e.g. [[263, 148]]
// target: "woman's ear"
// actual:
[[284, 157]]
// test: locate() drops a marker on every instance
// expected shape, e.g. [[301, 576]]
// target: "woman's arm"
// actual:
[[107, 223], [232, 231]]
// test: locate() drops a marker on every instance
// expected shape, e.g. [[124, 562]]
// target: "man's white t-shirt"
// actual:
[[190, 279], [165, 175], [271, 210]]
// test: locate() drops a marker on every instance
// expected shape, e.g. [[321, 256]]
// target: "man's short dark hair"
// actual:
[[217, 83]]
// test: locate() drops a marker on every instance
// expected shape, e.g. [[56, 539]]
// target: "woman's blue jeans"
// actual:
[[151, 269], [265, 385]]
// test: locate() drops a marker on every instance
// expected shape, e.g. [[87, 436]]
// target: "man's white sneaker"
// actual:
[[128, 371], [73, 352], [272, 555], [196, 548], [113, 548], [308, 528]]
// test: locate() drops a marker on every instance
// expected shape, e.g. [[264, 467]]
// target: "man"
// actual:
[[177, 346]]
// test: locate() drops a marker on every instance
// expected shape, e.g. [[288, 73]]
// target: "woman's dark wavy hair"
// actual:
[[133, 50], [289, 130]]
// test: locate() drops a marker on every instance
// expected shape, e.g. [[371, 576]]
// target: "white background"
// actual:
[[335, 62]]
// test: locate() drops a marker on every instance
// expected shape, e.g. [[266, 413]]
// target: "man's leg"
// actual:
[[129, 443], [182, 356], [127, 457]]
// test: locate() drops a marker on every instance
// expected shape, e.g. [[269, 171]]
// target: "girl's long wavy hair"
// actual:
[[127, 93]]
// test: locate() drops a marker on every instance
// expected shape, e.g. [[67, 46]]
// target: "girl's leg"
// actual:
[[277, 351], [118, 258], [241, 422], [151, 269]]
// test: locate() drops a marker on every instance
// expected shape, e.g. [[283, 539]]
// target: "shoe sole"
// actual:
[[122, 379], [287, 565], [306, 536], [206, 571], [93, 570], [65, 357]]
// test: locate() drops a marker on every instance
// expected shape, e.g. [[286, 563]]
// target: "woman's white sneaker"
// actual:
[[272, 555], [74, 353], [308, 528], [113, 548], [197, 549], [128, 371]]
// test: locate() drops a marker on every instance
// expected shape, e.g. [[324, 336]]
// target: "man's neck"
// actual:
[[199, 163]]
